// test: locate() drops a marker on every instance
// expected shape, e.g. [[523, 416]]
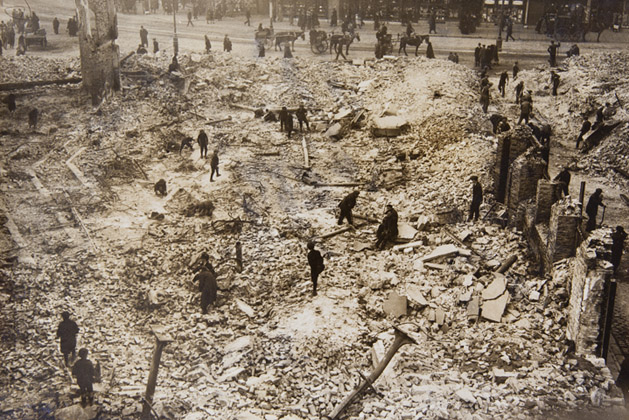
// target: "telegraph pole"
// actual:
[[175, 40]]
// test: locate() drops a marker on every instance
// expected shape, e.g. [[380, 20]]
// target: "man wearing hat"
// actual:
[[66, 332], [591, 209], [388, 230], [315, 260], [346, 205], [477, 198], [563, 178]]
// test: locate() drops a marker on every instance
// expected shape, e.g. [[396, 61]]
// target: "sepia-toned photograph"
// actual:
[[314, 209]]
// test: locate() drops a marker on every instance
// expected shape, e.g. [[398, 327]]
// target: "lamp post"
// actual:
[[175, 40]]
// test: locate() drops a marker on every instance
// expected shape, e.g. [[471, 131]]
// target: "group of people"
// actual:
[[485, 55]]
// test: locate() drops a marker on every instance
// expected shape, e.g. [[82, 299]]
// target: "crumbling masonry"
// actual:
[[100, 56]]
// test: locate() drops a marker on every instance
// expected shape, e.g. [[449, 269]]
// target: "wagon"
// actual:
[[318, 41], [36, 38]]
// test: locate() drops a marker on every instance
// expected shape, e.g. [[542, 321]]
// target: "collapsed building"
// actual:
[[493, 331]]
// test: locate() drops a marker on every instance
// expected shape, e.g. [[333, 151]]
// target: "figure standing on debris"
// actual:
[[32, 118], [563, 178], [83, 371], [585, 127], [203, 141], [554, 80], [214, 165], [591, 209], [283, 116], [289, 124], [189, 19], [11, 102], [261, 50], [429, 51], [207, 287], [287, 51], [618, 243], [516, 70], [346, 205], [315, 260], [477, 198], [66, 332], [518, 91], [302, 117], [388, 230], [144, 37], [55, 25], [552, 53], [174, 65], [227, 44], [155, 46], [208, 44], [525, 111], [484, 98], [504, 79], [141, 50]]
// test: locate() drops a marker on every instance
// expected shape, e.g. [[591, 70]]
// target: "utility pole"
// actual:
[[161, 339], [175, 40]]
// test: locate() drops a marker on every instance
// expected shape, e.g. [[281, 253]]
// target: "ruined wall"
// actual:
[[511, 145], [588, 272], [548, 193], [100, 56], [524, 174], [562, 236]]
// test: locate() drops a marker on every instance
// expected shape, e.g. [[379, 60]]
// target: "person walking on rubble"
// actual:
[[83, 371], [388, 229], [591, 209], [283, 116], [484, 98], [346, 205], [477, 198], [618, 243], [554, 80], [203, 141], [144, 37], [214, 165], [66, 332], [207, 287], [155, 46], [227, 44], [563, 178], [525, 110], [315, 260], [302, 117], [552, 53], [208, 44], [504, 79], [289, 124], [516, 70], [518, 91], [585, 127]]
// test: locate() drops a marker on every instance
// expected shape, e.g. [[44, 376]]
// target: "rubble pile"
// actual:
[[14, 69], [490, 342]]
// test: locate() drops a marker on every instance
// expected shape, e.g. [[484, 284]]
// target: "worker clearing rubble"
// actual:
[[388, 229], [83, 371], [207, 283], [346, 205], [502, 84], [477, 198], [203, 140], [591, 209], [315, 260], [66, 332]]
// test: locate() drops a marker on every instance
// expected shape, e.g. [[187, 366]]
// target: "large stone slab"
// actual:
[[494, 309], [496, 288], [416, 296], [440, 251], [389, 126], [395, 305]]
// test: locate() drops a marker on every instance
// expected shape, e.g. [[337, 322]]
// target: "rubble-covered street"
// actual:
[[90, 236]]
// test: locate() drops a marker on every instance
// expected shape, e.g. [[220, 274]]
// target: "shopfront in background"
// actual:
[[492, 10]]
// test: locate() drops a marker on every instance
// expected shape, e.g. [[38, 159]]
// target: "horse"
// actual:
[[338, 41], [597, 25], [285, 37], [414, 40]]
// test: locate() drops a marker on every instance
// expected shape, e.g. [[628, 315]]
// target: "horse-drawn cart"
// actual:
[[264, 37], [318, 41], [36, 38]]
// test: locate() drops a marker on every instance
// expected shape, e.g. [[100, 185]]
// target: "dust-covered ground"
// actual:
[[91, 237]]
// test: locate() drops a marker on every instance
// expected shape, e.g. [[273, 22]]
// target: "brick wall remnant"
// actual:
[[511, 144], [524, 174], [548, 193], [564, 220]]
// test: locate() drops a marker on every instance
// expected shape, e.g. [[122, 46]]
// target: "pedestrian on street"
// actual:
[[552, 53], [55, 25], [388, 229], [302, 117], [477, 52], [315, 260], [144, 37], [516, 70], [504, 79], [261, 50], [618, 243], [563, 178], [477, 198], [591, 209], [155, 46], [289, 54], [554, 80], [248, 17], [189, 19], [585, 127], [227, 44], [66, 332], [346, 205], [83, 371], [334, 18], [203, 141], [214, 165], [208, 44], [432, 22], [484, 98], [429, 51], [509, 30]]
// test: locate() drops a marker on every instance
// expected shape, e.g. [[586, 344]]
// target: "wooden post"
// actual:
[[161, 339], [306, 157], [239, 257], [582, 195]]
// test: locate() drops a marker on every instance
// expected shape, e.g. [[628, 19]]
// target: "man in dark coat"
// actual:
[[477, 198], [207, 287], [32, 118], [66, 332], [477, 52], [618, 243], [563, 178], [591, 209], [155, 46], [346, 205], [11, 102], [186, 142], [518, 91], [554, 80], [203, 140], [484, 98], [55, 25], [502, 84], [302, 117], [83, 371], [388, 230], [585, 127], [214, 165], [552, 53], [144, 36], [429, 51], [334, 18], [227, 44], [283, 116], [315, 260], [432, 22], [525, 111], [289, 124], [516, 70], [208, 44]]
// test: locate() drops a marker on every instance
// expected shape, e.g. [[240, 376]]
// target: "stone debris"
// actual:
[[395, 305]]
